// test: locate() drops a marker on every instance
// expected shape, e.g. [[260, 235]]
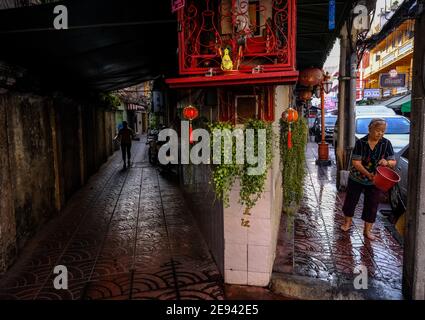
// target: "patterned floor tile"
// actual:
[[202, 291], [74, 292], [26, 276], [163, 294], [19, 293], [116, 245], [110, 287], [321, 248]]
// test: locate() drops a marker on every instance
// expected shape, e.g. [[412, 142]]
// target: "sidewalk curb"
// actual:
[[306, 288]]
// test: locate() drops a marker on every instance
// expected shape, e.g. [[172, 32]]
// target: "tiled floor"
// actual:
[[322, 250], [128, 235], [125, 235]]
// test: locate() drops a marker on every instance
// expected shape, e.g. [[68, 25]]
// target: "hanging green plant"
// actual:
[[110, 100], [252, 186], [224, 174], [293, 162]]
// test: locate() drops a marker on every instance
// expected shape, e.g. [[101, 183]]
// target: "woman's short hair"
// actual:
[[376, 121]]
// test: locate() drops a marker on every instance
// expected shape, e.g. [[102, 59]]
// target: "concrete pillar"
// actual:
[[414, 257], [340, 147], [7, 211], [249, 252]]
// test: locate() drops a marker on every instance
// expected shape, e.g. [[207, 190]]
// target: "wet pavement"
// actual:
[[124, 235], [322, 251], [127, 234]]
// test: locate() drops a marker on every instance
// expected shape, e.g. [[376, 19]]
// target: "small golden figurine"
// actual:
[[226, 61]]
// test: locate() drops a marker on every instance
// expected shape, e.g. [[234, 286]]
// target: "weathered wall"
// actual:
[[31, 160], [7, 221], [48, 149]]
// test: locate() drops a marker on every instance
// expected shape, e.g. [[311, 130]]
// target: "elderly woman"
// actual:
[[371, 151]]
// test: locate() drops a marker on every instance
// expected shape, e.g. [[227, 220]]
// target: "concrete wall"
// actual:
[[207, 210], [250, 251], [48, 149], [245, 254]]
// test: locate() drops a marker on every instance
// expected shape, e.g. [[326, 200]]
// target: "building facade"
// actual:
[[390, 58], [237, 62]]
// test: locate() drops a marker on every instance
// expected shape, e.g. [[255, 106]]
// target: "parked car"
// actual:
[[377, 111], [398, 194], [316, 130], [398, 129]]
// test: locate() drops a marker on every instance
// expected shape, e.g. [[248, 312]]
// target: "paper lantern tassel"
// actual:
[[289, 138], [190, 133]]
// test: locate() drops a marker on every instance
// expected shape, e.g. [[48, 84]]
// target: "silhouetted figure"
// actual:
[[125, 135]]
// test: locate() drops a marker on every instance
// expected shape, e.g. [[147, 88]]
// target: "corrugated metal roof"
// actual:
[[398, 103], [314, 39], [116, 44], [109, 44]]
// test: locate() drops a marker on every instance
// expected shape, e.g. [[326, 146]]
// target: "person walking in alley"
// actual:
[[369, 152], [125, 135]]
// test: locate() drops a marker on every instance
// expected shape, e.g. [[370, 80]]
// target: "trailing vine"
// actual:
[[252, 186], [224, 175], [293, 162]]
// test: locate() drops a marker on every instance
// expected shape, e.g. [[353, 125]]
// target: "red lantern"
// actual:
[[190, 113], [290, 115], [310, 77]]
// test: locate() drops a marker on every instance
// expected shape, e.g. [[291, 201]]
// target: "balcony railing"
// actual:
[[395, 55], [256, 33]]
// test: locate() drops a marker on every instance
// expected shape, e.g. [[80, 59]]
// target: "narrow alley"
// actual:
[[244, 118], [125, 235]]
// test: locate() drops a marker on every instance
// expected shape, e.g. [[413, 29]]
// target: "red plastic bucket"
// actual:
[[385, 178]]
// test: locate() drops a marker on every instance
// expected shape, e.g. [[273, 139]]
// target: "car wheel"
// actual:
[[395, 202]]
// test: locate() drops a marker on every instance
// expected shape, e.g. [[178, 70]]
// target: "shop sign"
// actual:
[[386, 93], [372, 93], [387, 80]]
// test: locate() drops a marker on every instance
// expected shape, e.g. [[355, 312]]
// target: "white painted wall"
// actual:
[[250, 252]]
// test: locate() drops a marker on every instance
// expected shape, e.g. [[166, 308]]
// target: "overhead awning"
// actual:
[[314, 37], [403, 104], [115, 44], [390, 101], [109, 44], [135, 107]]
